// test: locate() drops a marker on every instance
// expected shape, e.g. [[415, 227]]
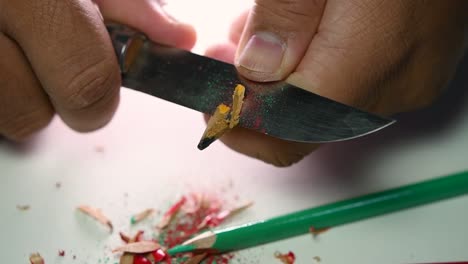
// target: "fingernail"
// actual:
[[262, 54]]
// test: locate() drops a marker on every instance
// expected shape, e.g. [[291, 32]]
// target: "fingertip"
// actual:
[[173, 33], [223, 52], [100, 108], [149, 17], [186, 37], [94, 118], [274, 151], [262, 58], [275, 38]]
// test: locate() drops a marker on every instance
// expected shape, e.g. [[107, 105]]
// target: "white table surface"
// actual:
[[149, 158]]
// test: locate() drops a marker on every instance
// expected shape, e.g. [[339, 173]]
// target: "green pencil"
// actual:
[[326, 216]]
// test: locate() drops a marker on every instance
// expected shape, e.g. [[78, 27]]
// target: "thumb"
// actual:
[[276, 37]]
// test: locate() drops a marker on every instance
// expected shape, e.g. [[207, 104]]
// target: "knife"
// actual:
[[278, 109]]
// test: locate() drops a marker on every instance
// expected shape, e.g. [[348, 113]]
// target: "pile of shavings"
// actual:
[[191, 215]]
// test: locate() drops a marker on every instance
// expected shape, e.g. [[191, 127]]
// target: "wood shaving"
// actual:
[[196, 259], [237, 102], [35, 258], [23, 207], [214, 221], [241, 208], [317, 231], [126, 258], [136, 238], [99, 149], [124, 237], [142, 216], [138, 247], [97, 215]]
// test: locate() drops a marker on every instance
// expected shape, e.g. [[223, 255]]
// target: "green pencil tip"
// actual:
[[180, 249]]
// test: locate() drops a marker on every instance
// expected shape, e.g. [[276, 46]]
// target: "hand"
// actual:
[[384, 56], [56, 56]]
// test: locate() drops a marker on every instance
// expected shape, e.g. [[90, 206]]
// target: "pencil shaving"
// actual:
[[142, 216], [138, 247], [171, 213], [237, 102], [126, 258], [35, 258], [317, 231], [216, 220], [196, 259], [23, 207], [241, 208], [97, 215], [124, 237], [157, 256], [288, 258]]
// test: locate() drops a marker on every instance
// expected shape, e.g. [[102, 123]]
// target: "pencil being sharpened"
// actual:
[[224, 118]]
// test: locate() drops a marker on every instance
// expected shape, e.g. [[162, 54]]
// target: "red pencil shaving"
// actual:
[[35, 258], [151, 257], [138, 259], [215, 220], [97, 215], [171, 213], [138, 247], [61, 253], [288, 258], [187, 217]]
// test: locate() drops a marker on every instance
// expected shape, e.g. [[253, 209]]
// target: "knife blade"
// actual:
[[278, 109]]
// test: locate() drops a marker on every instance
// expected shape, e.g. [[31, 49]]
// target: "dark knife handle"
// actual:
[[127, 42]]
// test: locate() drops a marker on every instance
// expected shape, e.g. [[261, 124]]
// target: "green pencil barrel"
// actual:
[[341, 212]]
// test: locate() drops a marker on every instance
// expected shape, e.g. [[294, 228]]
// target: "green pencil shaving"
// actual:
[[326, 216]]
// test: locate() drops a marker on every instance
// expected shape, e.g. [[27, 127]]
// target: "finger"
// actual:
[[271, 150], [149, 17], [222, 52], [237, 27], [276, 37], [24, 106], [70, 51]]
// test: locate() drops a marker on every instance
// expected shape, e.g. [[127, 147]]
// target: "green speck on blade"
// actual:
[[132, 220]]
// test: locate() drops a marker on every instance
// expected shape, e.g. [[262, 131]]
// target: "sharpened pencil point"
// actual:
[[216, 127], [224, 118], [205, 142]]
